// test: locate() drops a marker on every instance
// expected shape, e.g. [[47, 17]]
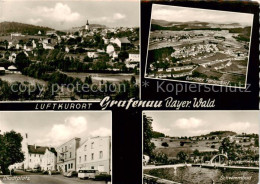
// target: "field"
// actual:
[[175, 147], [98, 77], [21, 78]]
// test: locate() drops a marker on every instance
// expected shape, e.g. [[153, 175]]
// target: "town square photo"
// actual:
[[199, 46], [200, 147], [56, 147], [69, 50]]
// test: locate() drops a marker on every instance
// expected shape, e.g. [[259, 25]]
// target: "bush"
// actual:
[[103, 177], [45, 172], [165, 144]]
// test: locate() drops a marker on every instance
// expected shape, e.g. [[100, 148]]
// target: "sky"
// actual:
[[66, 14], [184, 14], [194, 123], [55, 128]]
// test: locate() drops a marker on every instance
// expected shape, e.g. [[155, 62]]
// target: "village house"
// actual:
[[123, 42], [49, 160], [66, 155], [95, 153], [134, 56]]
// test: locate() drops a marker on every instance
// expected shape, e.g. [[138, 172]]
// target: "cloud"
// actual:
[[34, 21], [118, 16], [60, 133], [102, 131], [157, 127], [184, 123], [184, 14], [60, 12], [110, 19], [240, 127]]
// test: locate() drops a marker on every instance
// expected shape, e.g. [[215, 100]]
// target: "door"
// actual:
[[66, 168]]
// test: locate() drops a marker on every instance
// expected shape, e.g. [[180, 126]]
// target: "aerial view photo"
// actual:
[[69, 50], [196, 147], [199, 46]]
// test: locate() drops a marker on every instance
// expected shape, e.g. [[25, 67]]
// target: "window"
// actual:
[[71, 165], [65, 148], [85, 148], [30, 160], [101, 154], [70, 154], [92, 167], [68, 166], [62, 150], [79, 159], [92, 145], [65, 156], [92, 156], [85, 157], [34, 155]]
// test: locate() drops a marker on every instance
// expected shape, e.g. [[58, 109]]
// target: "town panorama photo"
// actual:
[[199, 46], [69, 50]]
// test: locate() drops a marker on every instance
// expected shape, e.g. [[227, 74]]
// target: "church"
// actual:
[[86, 30]]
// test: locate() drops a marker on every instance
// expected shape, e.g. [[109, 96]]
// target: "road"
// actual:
[[32, 178]]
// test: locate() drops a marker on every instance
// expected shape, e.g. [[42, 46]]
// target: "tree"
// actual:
[[165, 144], [196, 153], [10, 150], [148, 132], [257, 142], [229, 148], [22, 61], [88, 80], [123, 55], [182, 156]]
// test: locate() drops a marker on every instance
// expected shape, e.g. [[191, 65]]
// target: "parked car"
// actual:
[[36, 169], [87, 174], [103, 176], [72, 174]]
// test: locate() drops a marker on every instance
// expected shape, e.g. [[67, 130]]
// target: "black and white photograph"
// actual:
[[200, 147], [69, 50], [199, 46], [56, 147]]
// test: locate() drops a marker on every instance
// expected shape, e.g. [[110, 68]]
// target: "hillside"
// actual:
[[222, 133], [91, 26], [191, 25], [9, 27]]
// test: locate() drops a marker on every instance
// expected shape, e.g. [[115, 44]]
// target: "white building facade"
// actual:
[[95, 153], [49, 161]]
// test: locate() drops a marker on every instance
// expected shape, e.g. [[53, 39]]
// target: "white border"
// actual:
[[191, 81], [187, 111], [86, 111]]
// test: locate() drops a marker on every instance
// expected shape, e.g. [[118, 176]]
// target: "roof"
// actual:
[[2, 68], [12, 67], [36, 149], [124, 40], [53, 151]]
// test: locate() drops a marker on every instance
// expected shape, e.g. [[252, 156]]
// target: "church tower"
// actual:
[[87, 26]]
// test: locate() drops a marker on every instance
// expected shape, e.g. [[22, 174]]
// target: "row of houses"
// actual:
[[10, 69], [73, 155]]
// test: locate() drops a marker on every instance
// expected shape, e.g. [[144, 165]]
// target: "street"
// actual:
[[33, 178]]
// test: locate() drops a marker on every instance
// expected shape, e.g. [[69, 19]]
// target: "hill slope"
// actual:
[[9, 27]]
